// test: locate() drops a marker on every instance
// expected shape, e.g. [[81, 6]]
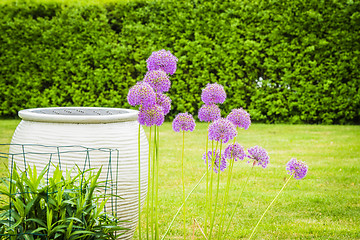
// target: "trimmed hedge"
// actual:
[[283, 61]]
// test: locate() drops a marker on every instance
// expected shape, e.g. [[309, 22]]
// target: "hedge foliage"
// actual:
[[283, 61]]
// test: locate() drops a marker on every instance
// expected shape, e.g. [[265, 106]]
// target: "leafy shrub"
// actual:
[[63, 207], [283, 61]]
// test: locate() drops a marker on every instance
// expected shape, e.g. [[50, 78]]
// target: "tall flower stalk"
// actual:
[[221, 131], [153, 106], [258, 156], [237, 203], [207, 185], [296, 169], [216, 197], [148, 189], [234, 152], [183, 122], [209, 112], [157, 183]]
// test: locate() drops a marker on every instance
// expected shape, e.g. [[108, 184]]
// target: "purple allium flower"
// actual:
[[183, 122], [163, 60], [209, 113], [211, 156], [234, 151], [222, 129], [259, 155], [297, 168], [158, 80], [153, 115], [163, 101], [141, 94], [213, 93], [240, 118]]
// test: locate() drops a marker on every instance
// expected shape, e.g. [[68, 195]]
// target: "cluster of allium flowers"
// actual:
[[214, 157], [259, 155], [164, 101], [234, 151], [297, 168], [213, 93], [222, 130], [209, 113], [240, 118], [158, 80], [163, 60], [183, 122], [141, 94], [150, 116], [148, 94]]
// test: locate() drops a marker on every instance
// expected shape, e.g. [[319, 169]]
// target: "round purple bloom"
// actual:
[[259, 155], [141, 94], [240, 118], [222, 129], [234, 151], [213, 93], [212, 155], [163, 101], [153, 115], [297, 168], [158, 80], [183, 122], [163, 60], [209, 113]]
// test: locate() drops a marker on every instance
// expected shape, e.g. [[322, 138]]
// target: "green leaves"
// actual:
[[306, 52], [61, 207]]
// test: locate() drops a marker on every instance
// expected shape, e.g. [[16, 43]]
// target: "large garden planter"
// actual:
[[90, 128]]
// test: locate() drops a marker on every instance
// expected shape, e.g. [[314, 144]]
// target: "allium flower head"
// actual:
[[209, 113], [158, 80], [234, 151], [163, 60], [141, 94], [183, 122], [259, 155], [213, 93], [222, 129], [297, 168], [153, 115], [212, 156], [240, 118], [163, 101]]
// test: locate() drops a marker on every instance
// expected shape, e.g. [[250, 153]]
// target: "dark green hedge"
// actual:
[[284, 61]]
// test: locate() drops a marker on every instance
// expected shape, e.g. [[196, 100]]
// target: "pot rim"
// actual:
[[79, 114]]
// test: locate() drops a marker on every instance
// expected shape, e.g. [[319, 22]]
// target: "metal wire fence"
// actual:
[[44, 161]]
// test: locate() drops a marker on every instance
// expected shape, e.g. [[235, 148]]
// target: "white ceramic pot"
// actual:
[[91, 128]]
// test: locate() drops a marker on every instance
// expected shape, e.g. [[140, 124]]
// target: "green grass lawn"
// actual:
[[324, 205]]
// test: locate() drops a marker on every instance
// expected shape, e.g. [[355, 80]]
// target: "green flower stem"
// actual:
[[139, 182], [153, 187], [187, 197], [227, 189], [217, 193], [211, 176], [221, 224], [207, 183], [157, 185], [269, 206], [148, 191], [237, 203], [183, 182]]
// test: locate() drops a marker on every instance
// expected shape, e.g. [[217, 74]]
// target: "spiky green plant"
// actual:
[[61, 207]]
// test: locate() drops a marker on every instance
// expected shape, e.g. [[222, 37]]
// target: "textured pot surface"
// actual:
[[92, 128]]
